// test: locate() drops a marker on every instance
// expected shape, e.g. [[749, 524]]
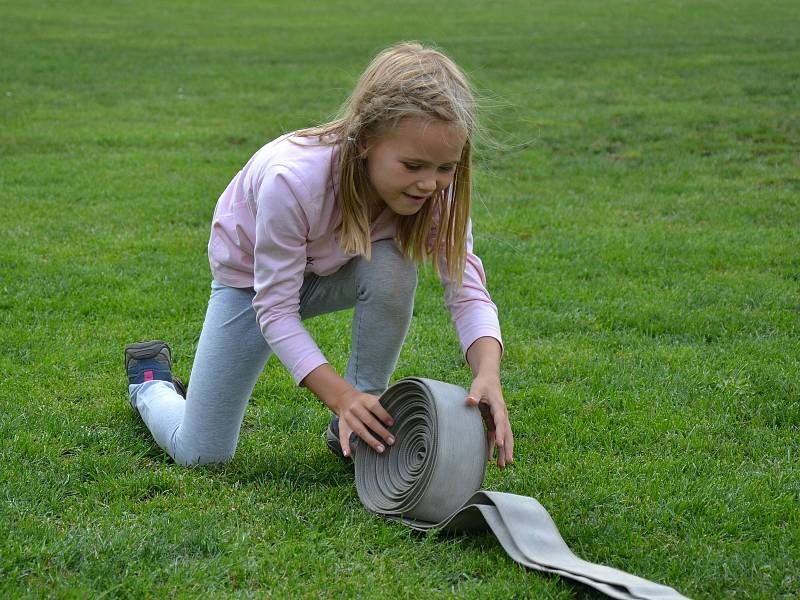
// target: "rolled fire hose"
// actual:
[[431, 477]]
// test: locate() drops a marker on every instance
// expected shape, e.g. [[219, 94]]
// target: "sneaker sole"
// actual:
[[142, 350], [151, 349]]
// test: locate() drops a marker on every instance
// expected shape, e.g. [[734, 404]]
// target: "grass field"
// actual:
[[641, 234]]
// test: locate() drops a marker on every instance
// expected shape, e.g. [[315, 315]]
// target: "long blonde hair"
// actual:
[[405, 80]]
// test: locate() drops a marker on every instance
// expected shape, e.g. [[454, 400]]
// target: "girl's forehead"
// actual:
[[427, 139]]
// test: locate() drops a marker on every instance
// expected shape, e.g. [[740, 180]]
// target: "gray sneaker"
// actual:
[[150, 361]]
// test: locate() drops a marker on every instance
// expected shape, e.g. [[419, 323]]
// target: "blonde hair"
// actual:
[[405, 80]]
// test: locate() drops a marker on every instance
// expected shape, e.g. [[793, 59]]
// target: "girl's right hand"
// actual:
[[363, 415]]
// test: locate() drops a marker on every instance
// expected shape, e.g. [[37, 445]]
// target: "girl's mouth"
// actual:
[[419, 199]]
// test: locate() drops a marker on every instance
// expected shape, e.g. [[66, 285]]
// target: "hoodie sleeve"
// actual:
[[473, 313], [284, 211]]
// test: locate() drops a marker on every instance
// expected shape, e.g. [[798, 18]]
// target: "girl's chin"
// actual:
[[407, 210]]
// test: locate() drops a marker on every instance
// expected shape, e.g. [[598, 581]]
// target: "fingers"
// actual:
[[500, 419], [344, 437], [361, 432], [504, 437], [509, 444], [369, 427], [490, 444], [360, 418], [498, 428], [380, 412]]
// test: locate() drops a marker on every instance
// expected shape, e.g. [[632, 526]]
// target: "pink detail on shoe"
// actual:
[[148, 376]]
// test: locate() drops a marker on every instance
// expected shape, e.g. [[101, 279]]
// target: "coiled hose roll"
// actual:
[[431, 478]]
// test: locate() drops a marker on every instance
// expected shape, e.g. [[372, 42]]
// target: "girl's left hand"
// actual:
[[487, 395]]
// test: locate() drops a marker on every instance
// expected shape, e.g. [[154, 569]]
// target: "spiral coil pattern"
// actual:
[[433, 466]]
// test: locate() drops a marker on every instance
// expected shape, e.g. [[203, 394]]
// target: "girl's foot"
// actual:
[[151, 361]]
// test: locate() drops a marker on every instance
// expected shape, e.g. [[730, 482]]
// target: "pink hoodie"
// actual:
[[275, 222]]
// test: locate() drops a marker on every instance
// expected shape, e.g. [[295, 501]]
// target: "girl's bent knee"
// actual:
[[391, 271], [186, 459]]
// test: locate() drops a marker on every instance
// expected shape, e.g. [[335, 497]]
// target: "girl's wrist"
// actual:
[[326, 384], [484, 356], [489, 375], [338, 399]]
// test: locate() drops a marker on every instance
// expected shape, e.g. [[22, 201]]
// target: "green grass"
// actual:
[[641, 235]]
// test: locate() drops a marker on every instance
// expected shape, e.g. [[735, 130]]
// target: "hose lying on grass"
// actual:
[[430, 479]]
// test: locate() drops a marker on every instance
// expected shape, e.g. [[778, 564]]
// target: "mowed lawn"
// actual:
[[639, 221]]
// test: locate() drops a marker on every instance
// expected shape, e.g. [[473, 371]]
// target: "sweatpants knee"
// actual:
[[393, 276], [189, 459], [190, 454]]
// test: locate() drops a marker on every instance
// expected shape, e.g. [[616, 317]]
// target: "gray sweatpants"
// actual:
[[232, 352]]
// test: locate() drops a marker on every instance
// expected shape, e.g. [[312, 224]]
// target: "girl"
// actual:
[[323, 219]]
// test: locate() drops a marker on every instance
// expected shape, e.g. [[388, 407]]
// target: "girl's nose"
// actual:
[[428, 184]]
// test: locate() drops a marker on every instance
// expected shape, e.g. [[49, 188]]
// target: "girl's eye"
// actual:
[[412, 167], [447, 168]]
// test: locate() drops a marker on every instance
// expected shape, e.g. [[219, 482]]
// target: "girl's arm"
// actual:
[[475, 319], [358, 412], [483, 357], [284, 218]]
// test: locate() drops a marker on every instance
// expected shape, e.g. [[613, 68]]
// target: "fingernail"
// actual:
[[390, 440], [380, 448]]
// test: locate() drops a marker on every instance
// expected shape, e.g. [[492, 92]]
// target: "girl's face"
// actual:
[[413, 161]]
